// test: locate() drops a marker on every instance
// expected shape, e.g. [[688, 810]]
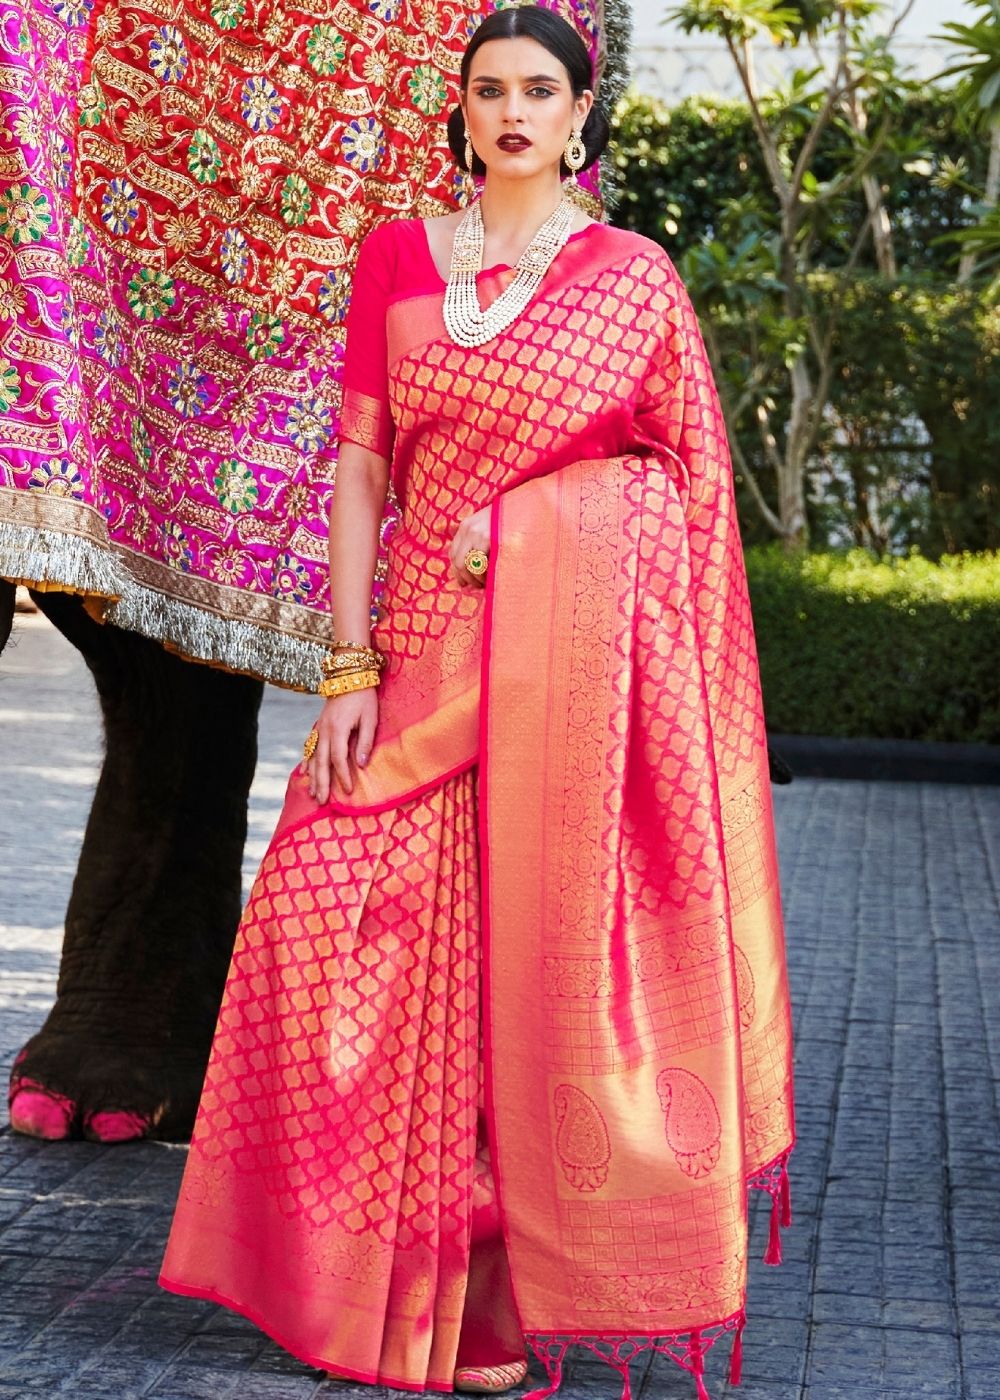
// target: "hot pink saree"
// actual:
[[506, 1034]]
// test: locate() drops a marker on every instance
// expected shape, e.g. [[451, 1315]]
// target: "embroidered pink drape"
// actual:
[[183, 190], [516, 1010]]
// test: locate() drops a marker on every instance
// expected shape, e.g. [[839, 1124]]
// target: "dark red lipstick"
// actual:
[[513, 143]]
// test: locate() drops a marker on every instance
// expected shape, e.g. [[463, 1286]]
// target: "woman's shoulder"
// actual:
[[401, 228], [392, 251], [626, 243], [389, 235]]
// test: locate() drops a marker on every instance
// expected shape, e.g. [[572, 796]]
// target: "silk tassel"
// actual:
[[736, 1358], [698, 1365], [786, 1197], [772, 1255], [554, 1368]]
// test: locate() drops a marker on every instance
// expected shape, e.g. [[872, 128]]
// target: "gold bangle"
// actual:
[[335, 663], [344, 685]]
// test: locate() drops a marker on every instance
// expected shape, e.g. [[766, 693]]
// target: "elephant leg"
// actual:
[[8, 593], [156, 898]]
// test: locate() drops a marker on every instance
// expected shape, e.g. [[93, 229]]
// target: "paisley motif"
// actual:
[[692, 1120], [582, 1141], [745, 988]]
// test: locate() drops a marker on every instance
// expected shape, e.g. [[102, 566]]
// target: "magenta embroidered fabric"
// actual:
[[182, 196]]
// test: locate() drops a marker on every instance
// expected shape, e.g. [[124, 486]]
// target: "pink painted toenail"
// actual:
[[115, 1125], [41, 1115]]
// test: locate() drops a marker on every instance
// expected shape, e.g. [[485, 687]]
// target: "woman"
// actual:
[[505, 1036]]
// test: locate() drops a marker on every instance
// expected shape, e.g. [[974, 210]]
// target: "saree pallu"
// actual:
[[506, 1037], [637, 1011]]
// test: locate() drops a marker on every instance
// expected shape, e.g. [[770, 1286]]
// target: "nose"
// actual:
[[512, 109]]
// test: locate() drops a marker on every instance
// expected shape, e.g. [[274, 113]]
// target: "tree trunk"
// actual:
[[967, 264], [792, 467], [792, 507], [885, 253]]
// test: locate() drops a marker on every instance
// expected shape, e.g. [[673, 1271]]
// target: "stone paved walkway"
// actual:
[[891, 1285]]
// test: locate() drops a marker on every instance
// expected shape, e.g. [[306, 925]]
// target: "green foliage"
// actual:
[[979, 69], [694, 172], [913, 437], [739, 20], [909, 452], [857, 648]]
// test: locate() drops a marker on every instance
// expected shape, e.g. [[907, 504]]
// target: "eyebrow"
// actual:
[[536, 78]]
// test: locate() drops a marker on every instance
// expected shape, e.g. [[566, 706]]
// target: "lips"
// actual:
[[513, 143]]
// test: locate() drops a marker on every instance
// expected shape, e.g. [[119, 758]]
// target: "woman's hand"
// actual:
[[473, 533], [346, 729]]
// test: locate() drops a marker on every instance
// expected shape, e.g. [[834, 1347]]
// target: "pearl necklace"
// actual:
[[465, 320]]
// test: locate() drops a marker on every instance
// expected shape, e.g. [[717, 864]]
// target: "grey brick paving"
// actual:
[[890, 1288]]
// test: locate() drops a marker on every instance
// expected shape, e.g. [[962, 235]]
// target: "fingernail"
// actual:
[[362, 759]]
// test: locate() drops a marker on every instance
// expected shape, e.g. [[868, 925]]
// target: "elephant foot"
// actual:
[[58, 1091], [37, 1112], [116, 1125]]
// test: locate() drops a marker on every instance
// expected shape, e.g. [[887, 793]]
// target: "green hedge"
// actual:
[[903, 649]]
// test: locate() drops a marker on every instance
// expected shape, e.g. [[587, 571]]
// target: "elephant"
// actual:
[[156, 897], [8, 595]]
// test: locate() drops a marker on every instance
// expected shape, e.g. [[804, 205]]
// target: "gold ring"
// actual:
[[476, 562], [309, 747]]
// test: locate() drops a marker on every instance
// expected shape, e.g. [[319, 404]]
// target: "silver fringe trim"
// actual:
[[614, 81], [51, 559], [199, 635], [618, 41], [32, 556]]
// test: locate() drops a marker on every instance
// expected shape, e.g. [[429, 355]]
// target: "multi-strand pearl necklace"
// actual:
[[465, 320]]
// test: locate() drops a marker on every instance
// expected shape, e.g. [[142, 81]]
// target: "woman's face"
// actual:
[[517, 88]]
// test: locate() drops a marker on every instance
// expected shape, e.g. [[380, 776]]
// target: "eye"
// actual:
[[546, 92], [485, 91]]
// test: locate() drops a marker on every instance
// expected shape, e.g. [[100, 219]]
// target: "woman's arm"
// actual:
[[346, 725], [355, 518]]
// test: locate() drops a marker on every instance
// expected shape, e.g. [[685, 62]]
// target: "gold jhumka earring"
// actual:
[[467, 192], [574, 154]]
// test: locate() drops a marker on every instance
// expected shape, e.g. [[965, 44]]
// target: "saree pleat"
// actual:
[[329, 1187]]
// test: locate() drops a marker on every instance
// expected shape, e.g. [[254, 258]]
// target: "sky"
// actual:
[[924, 19], [671, 65]]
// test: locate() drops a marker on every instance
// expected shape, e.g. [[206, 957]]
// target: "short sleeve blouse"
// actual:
[[365, 418], [394, 262]]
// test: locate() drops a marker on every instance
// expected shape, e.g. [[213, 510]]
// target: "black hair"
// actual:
[[564, 43]]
